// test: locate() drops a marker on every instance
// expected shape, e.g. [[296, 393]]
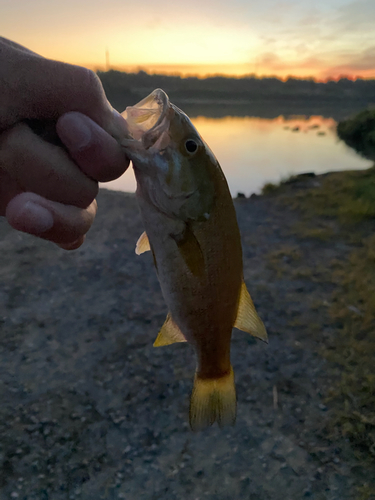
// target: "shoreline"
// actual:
[[90, 409]]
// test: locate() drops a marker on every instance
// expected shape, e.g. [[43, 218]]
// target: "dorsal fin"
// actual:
[[169, 333], [247, 318], [143, 245]]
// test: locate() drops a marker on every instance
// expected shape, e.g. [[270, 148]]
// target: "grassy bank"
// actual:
[[339, 209]]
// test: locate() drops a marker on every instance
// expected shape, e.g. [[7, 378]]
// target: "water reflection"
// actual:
[[253, 151]]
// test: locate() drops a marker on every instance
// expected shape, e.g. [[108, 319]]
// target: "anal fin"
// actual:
[[247, 318], [143, 245], [169, 333]]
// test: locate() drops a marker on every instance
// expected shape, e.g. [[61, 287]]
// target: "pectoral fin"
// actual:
[[169, 333], [143, 245], [247, 318], [190, 251]]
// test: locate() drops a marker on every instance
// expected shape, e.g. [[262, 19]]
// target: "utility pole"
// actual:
[[106, 59]]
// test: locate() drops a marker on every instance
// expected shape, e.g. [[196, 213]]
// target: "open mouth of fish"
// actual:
[[148, 121]]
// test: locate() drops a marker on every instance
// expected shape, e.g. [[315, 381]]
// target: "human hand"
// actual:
[[48, 188]]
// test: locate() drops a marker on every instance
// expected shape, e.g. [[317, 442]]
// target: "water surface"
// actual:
[[253, 151]]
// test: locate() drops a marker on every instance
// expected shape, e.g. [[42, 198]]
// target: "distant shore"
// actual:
[[243, 95]]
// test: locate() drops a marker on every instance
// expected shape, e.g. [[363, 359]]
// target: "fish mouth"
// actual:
[[149, 120]]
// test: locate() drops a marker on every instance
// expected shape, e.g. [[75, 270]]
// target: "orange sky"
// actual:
[[303, 38]]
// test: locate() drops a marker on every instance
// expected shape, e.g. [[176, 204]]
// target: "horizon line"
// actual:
[[134, 69]]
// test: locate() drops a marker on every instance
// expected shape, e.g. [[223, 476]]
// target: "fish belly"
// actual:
[[203, 306]]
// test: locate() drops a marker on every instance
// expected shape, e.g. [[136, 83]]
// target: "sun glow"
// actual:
[[268, 38]]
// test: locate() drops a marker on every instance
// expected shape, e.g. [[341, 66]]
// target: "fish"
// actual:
[[192, 232]]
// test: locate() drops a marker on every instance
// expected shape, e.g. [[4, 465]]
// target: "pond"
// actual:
[[253, 151]]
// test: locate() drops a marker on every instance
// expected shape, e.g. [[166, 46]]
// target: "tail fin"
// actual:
[[213, 400]]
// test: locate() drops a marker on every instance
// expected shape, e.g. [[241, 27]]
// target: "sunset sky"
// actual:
[[303, 38]]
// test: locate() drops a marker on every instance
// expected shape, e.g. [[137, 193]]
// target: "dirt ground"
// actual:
[[90, 410]]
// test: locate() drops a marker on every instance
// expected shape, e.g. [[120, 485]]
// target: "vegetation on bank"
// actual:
[[118, 83], [358, 132], [340, 210]]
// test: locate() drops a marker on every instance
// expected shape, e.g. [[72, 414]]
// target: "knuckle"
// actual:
[[12, 134], [92, 100], [90, 85], [10, 139]]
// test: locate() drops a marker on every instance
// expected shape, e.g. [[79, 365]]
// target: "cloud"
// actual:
[[269, 59], [322, 65], [270, 63], [362, 64], [356, 16], [313, 19]]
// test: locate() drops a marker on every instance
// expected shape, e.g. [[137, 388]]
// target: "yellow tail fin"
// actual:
[[213, 400]]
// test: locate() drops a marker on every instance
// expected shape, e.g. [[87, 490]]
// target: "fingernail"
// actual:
[[74, 131], [36, 219], [74, 245]]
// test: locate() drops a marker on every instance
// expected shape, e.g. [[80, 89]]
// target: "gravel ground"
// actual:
[[90, 410]]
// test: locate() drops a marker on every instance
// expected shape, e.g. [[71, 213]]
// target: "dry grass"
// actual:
[[322, 233], [366, 492], [279, 260], [353, 310], [349, 196], [340, 208], [269, 188]]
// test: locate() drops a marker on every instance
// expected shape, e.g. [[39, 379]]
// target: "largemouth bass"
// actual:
[[192, 232]]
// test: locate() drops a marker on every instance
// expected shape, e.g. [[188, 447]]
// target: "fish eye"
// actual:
[[191, 146]]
